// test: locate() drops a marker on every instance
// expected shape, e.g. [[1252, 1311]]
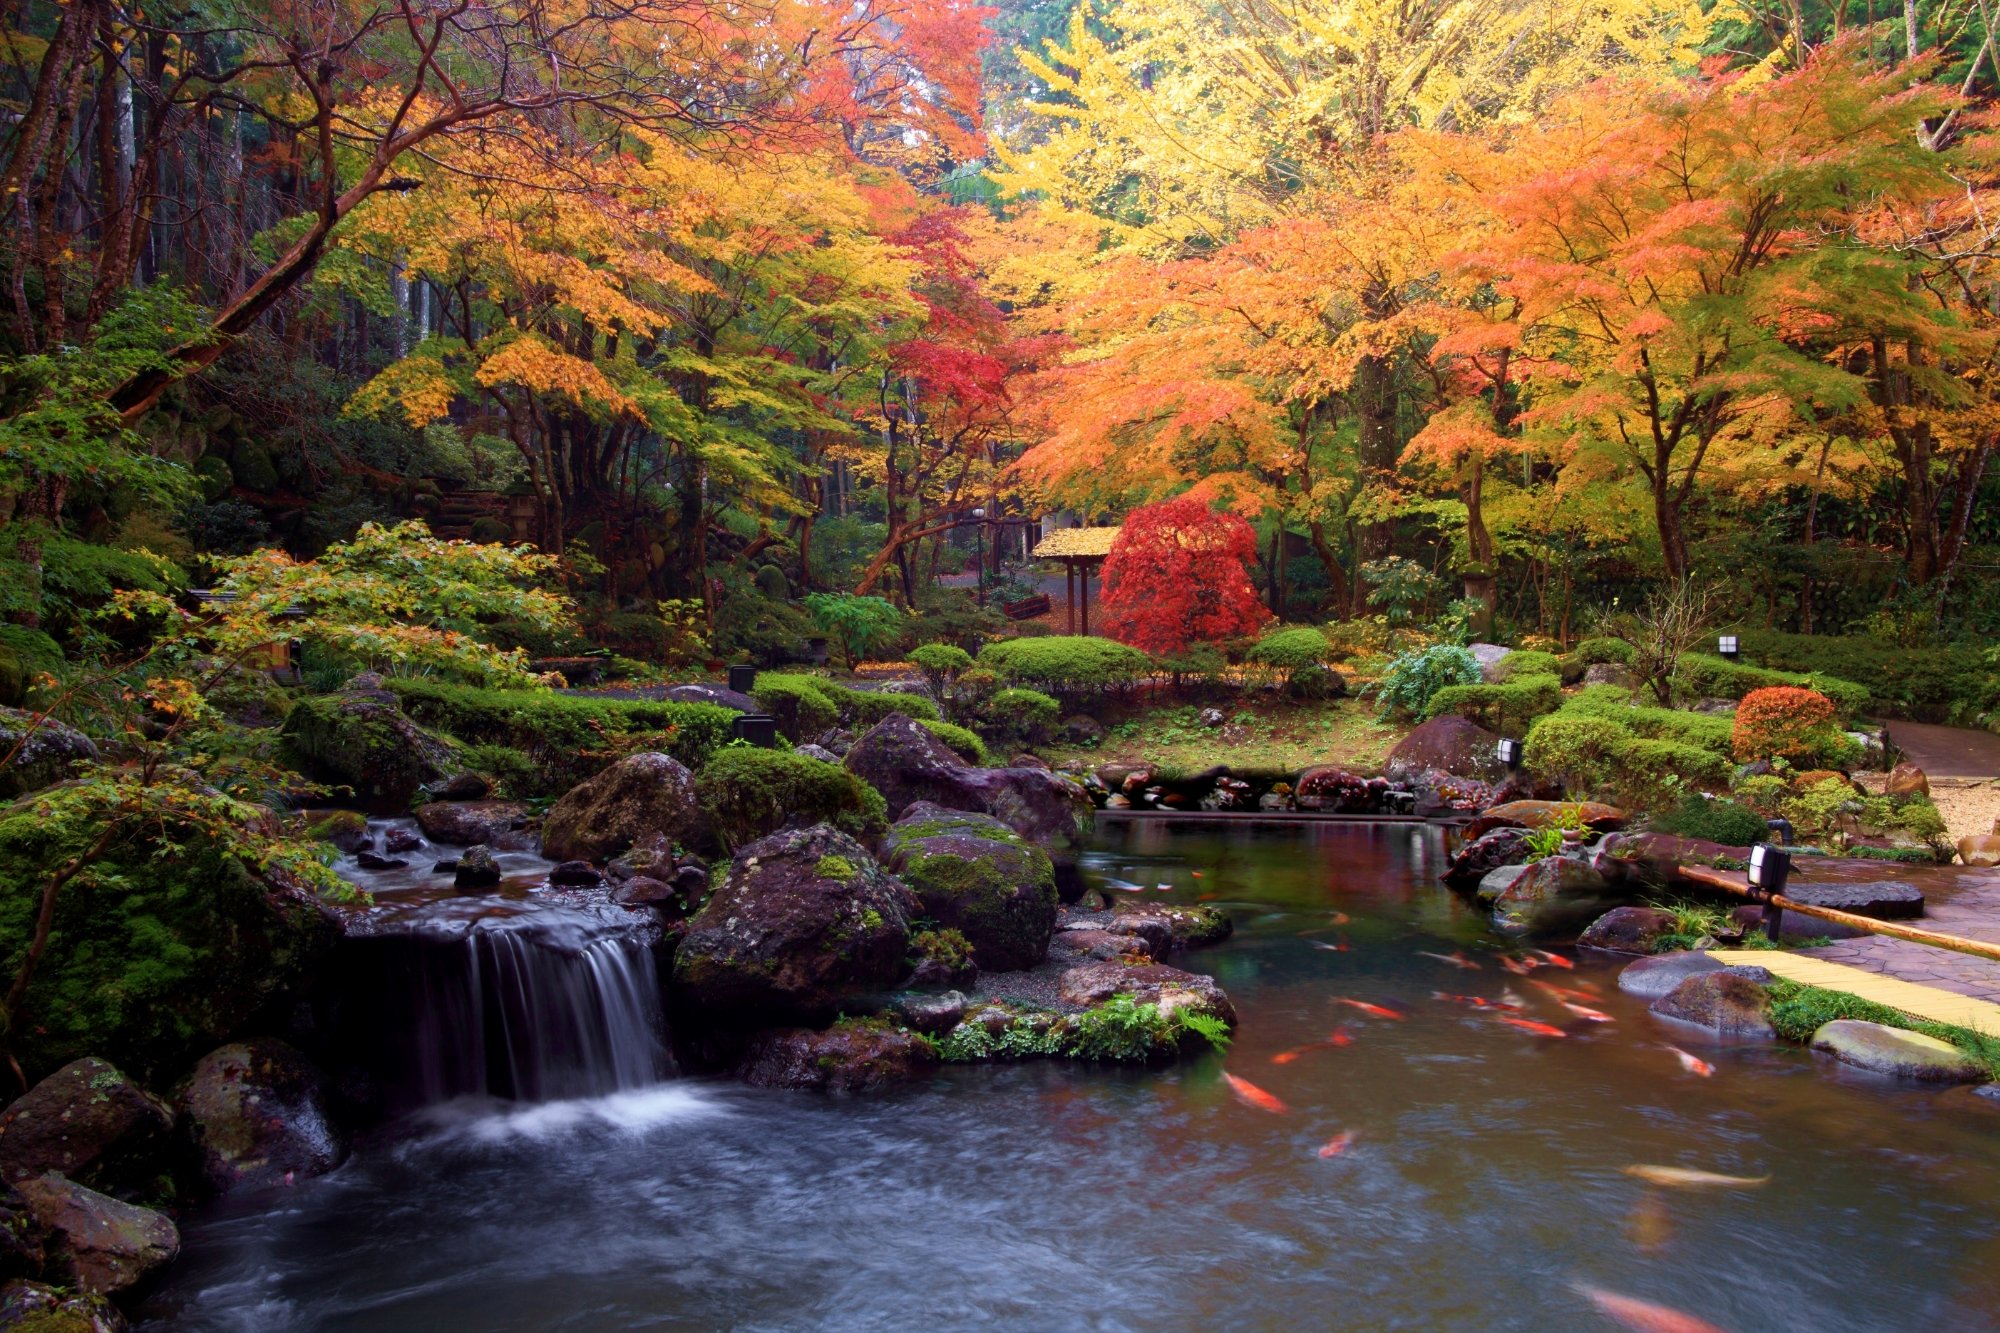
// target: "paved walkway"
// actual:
[[1947, 752], [1919, 1001]]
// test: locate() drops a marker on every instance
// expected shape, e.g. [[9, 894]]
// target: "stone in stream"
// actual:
[[371, 861], [1483, 855], [1652, 978], [470, 823], [396, 841], [1725, 1002], [476, 868], [979, 877], [35, 1307], [640, 800], [804, 920], [1627, 930], [89, 1122], [1147, 983], [1188, 925], [855, 1055], [1882, 899], [1554, 893], [95, 1243], [1500, 879], [256, 1116], [359, 738], [575, 875], [1887, 1050]]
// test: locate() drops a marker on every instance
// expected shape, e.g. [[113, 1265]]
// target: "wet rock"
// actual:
[[1449, 744], [932, 1014], [641, 799], [1334, 789], [1653, 978], [360, 739], [21, 1253], [1887, 1050], [95, 1243], [476, 868], [1884, 899], [38, 753], [1187, 926], [1499, 879], [1436, 792], [399, 840], [1627, 930], [575, 875], [1147, 983], [819, 752], [641, 891], [1489, 656], [1210, 717], [1081, 729], [34, 1307], [1906, 779], [89, 1122], [1093, 943], [976, 875], [470, 823], [1608, 673], [804, 919], [906, 763], [345, 829], [1540, 814], [1554, 893], [1483, 855], [256, 1114], [713, 694], [1030, 761], [370, 861], [853, 1056], [464, 787], [1980, 849], [1723, 1002]]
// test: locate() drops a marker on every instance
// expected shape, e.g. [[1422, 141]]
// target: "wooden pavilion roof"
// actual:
[[1077, 543]]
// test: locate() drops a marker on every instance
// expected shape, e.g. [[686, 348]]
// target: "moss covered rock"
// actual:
[[38, 752], [854, 1055], [642, 800], [361, 740], [803, 921], [89, 1122], [978, 876], [97, 1244], [746, 793], [256, 1115], [35, 1307]]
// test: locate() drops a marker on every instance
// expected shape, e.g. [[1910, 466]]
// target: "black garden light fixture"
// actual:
[[1728, 646], [1787, 835], [742, 678], [1509, 752], [1769, 868], [759, 729]]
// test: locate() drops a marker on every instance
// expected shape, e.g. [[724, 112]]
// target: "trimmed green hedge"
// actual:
[[1642, 758], [1602, 651], [805, 706], [1503, 707], [1701, 676], [965, 744], [1066, 663], [1525, 662], [563, 735], [1019, 717], [1612, 702], [1940, 683]]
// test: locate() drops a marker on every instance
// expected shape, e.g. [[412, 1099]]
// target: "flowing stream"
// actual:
[[1484, 1188]]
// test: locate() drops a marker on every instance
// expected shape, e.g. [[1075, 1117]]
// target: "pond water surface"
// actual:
[[1485, 1185]]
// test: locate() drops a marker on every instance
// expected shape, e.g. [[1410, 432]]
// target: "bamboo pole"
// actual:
[[1732, 882]]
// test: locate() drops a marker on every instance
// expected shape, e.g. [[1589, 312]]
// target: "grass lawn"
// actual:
[[1261, 733]]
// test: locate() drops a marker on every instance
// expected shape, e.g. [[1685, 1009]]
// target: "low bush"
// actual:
[[566, 738], [1723, 821], [1602, 651], [1506, 707], [1788, 723], [1936, 683], [1526, 662], [1411, 680], [1123, 1029], [801, 704], [965, 744], [1067, 665], [746, 792], [861, 709], [1577, 751], [1700, 676], [1019, 717], [1594, 754], [26, 655], [941, 664], [1613, 703]]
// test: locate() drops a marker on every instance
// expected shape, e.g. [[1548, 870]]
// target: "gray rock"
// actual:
[[1082, 729], [1887, 1050], [1886, 900], [1482, 856], [1210, 717], [1554, 893], [470, 823], [476, 868], [1652, 978], [1448, 744], [928, 1013], [819, 752], [852, 1056], [1608, 673], [976, 875], [361, 740], [713, 694], [1147, 983], [38, 753], [1724, 1002], [34, 1307], [1489, 656], [642, 800], [576, 875], [399, 840], [1627, 930], [256, 1115], [95, 1243], [90, 1123], [1500, 879]]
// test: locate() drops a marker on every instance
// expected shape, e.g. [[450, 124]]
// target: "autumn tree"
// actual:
[[1179, 574]]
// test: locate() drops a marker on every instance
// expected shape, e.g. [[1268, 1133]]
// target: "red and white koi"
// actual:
[[1693, 1064], [1458, 960], [1530, 1025], [1338, 1144], [1374, 1010], [1251, 1095]]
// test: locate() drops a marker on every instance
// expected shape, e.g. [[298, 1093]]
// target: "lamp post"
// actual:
[[1727, 646], [980, 514], [1769, 868], [1509, 753]]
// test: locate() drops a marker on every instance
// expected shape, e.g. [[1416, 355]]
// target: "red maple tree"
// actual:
[[1179, 573]]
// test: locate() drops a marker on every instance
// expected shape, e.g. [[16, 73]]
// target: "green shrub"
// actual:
[[1577, 751], [1122, 1029], [862, 709], [747, 792], [26, 655], [1506, 707], [1701, 676], [1414, 677], [1710, 820], [860, 625], [512, 770], [965, 744], [1290, 648], [1019, 717], [1525, 662], [567, 738], [1935, 683], [802, 705], [1603, 651], [941, 663], [1066, 664], [1613, 703]]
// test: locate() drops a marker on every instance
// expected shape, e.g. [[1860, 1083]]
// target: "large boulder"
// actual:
[[1651, 978], [471, 823], [361, 740], [642, 799], [1887, 1050], [95, 1243], [907, 764], [1979, 850], [804, 919], [1553, 894], [36, 1307], [852, 1056], [1147, 983], [38, 752], [1540, 814], [1885, 900], [1627, 930], [976, 875], [89, 1122], [256, 1115], [719, 695], [1906, 779], [1483, 855], [1449, 744], [1724, 1002]]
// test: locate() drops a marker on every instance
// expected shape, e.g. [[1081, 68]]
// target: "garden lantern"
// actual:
[[1769, 868], [1783, 828], [1509, 751], [742, 678], [1727, 646], [760, 729]]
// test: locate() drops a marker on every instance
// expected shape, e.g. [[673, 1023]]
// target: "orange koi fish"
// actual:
[[1530, 1025], [1338, 1144], [1338, 947], [1588, 1014], [1517, 966], [1340, 918], [1693, 1064], [1644, 1316], [1555, 960], [1375, 1010], [1458, 960], [1556, 992], [1251, 1095], [1340, 1037], [1475, 1001]]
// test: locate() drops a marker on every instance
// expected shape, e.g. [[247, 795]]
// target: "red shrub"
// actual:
[[1179, 574], [1784, 722]]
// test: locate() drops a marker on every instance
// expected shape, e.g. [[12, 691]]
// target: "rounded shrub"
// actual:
[[1726, 822], [963, 743], [1413, 677], [1785, 722], [801, 704], [1020, 717], [1066, 663], [1601, 651], [941, 663], [1528, 662], [747, 792], [1578, 752]]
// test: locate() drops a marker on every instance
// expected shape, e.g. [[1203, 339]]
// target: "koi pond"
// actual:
[[1482, 1182]]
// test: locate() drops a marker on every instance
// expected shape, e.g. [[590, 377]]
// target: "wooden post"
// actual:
[[1083, 588], [1069, 594]]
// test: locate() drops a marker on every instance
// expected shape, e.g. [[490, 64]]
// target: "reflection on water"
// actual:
[[1484, 1185]]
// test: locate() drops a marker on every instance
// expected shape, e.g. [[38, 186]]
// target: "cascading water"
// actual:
[[525, 991]]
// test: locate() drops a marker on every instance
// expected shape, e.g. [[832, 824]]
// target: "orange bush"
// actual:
[[1785, 722]]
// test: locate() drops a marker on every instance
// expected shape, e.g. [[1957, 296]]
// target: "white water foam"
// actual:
[[629, 1111]]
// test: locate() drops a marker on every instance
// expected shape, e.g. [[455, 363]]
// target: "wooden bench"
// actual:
[[1027, 608]]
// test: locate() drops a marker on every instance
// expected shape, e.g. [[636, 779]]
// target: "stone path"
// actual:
[[1916, 999], [1958, 901], [1947, 752]]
